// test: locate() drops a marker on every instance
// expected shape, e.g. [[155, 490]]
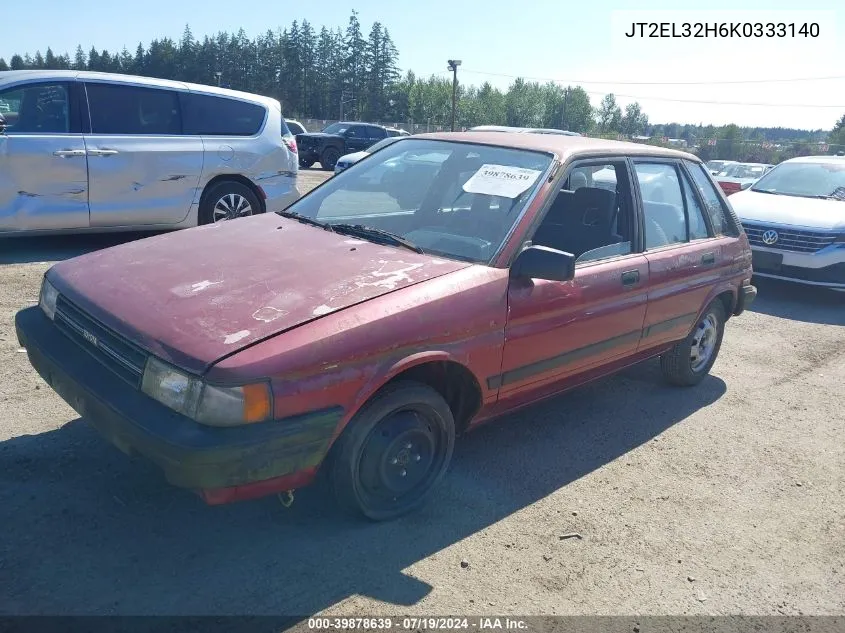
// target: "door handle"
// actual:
[[708, 258], [68, 153], [630, 277], [102, 152]]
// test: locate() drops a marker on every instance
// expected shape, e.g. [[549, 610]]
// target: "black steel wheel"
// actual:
[[393, 452]]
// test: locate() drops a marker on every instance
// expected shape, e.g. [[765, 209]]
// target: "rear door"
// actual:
[[375, 134], [43, 167], [143, 170], [684, 254]]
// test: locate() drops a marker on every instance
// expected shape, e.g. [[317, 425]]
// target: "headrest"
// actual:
[[596, 205]]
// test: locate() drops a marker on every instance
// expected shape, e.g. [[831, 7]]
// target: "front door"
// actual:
[[43, 166], [142, 169], [556, 330], [357, 138]]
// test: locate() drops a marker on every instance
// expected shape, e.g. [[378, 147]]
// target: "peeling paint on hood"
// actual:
[[196, 295]]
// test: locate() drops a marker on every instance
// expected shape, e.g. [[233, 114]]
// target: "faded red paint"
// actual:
[[355, 314]]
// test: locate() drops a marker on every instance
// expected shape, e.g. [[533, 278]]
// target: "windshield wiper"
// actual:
[[360, 230], [774, 193], [305, 220]]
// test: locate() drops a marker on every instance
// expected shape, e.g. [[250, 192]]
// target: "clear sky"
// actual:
[[575, 42]]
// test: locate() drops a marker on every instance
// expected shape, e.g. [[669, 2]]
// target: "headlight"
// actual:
[[208, 404], [47, 298]]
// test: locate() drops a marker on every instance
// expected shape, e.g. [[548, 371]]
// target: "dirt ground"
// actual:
[[727, 498]]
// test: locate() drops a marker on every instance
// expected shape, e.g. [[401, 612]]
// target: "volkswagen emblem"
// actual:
[[89, 337], [770, 237]]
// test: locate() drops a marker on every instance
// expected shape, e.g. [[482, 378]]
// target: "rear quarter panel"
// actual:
[[264, 159]]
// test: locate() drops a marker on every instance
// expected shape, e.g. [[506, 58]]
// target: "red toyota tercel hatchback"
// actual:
[[441, 281]]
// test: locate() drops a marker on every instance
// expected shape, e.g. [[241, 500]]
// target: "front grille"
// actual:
[[794, 240], [115, 352]]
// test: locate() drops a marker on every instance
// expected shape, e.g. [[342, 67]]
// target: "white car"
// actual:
[[347, 160], [97, 152], [794, 217]]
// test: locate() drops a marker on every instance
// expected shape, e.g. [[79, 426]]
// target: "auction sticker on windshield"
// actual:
[[501, 180]]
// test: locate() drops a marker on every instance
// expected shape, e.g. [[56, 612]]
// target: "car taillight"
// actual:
[[290, 143], [729, 187]]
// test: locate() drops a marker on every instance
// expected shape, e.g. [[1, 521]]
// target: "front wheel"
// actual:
[[305, 163], [393, 452], [690, 360], [328, 159], [228, 200]]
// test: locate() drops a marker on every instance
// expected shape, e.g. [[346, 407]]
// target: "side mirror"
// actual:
[[542, 262]]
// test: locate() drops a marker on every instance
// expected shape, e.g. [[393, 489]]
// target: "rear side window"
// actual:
[[719, 218], [207, 115], [120, 109]]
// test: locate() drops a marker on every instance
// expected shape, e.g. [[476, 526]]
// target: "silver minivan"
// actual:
[[86, 151]]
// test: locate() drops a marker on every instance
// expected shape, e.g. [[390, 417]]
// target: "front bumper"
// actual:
[[309, 154], [825, 268], [745, 298], [190, 454]]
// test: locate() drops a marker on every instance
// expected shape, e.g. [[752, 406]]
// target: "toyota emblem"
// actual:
[[770, 237]]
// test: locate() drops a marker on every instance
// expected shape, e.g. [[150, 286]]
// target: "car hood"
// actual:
[[317, 135], [354, 157], [811, 213], [737, 180], [195, 296]]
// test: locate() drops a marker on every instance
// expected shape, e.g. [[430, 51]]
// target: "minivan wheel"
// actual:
[[688, 362], [329, 158], [228, 200], [393, 453]]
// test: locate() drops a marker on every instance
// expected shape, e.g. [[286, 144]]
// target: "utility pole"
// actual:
[[565, 97], [453, 66]]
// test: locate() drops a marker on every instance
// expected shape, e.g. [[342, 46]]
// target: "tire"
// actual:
[[328, 159], [407, 428], [305, 163], [685, 364], [228, 196]]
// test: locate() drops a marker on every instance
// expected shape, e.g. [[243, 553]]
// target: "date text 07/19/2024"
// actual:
[[416, 624]]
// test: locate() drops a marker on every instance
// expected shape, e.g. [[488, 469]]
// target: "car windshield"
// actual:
[[383, 143], [805, 179], [456, 200], [336, 128], [742, 171]]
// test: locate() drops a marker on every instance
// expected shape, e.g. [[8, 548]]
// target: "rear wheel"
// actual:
[[328, 159], [393, 452], [228, 200], [689, 361]]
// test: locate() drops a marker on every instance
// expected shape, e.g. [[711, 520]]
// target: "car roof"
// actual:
[[522, 130], [816, 159], [83, 75], [562, 146]]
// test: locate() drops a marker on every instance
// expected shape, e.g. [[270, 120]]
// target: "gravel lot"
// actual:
[[728, 498]]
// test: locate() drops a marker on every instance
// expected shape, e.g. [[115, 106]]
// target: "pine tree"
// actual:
[[50, 60], [3, 65], [80, 60], [355, 66]]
